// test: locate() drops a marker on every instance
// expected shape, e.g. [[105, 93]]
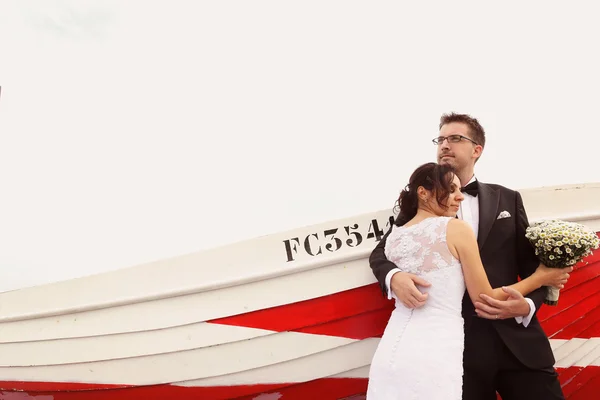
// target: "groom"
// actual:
[[506, 349]]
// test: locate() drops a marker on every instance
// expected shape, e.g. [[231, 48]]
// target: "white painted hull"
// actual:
[[279, 313]]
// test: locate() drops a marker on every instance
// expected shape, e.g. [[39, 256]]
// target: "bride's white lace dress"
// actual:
[[420, 353]]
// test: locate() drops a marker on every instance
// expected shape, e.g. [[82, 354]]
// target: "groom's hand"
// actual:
[[514, 306], [404, 287]]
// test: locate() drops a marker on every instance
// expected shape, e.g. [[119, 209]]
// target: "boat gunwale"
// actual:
[[242, 280]]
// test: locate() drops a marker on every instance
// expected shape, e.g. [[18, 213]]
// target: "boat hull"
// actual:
[[305, 326], [573, 327]]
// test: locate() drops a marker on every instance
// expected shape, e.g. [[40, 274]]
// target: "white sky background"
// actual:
[[133, 131]]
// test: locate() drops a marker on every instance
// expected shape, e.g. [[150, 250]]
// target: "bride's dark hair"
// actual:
[[434, 177]]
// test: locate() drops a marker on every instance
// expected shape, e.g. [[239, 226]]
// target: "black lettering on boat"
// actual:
[[333, 240]]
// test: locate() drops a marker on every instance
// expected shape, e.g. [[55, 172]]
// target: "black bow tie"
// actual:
[[472, 189]]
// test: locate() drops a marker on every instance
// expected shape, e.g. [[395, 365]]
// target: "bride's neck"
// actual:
[[423, 213]]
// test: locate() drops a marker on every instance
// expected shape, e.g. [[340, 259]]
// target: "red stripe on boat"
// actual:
[[356, 313], [577, 313], [363, 312], [583, 383], [361, 326], [327, 388], [49, 391]]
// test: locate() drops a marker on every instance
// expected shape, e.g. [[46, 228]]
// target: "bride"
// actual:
[[420, 355]]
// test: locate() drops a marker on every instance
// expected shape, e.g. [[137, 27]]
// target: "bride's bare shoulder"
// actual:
[[458, 230]]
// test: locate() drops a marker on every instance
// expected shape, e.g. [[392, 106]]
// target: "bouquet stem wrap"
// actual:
[[560, 244]]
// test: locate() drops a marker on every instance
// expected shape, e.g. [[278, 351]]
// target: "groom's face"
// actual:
[[457, 150]]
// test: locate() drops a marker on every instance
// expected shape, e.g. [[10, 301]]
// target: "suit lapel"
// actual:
[[488, 208]]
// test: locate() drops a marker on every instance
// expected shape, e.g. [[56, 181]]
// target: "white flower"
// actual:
[[559, 243]]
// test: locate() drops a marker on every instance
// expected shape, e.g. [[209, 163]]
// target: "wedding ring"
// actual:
[[496, 316]]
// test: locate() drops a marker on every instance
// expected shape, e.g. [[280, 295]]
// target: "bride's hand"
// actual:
[[556, 277]]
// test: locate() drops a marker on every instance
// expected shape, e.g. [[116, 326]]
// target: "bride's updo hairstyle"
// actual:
[[432, 176]]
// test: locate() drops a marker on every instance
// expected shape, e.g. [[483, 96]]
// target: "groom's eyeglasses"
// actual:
[[451, 139]]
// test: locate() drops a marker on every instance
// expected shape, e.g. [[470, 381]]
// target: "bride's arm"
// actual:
[[462, 241]]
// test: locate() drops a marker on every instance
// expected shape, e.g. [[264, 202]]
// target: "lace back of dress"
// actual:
[[420, 248]]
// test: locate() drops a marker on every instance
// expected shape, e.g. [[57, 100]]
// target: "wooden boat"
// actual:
[[292, 315]]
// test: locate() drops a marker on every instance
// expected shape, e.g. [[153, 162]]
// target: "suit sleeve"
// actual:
[[379, 263], [526, 258]]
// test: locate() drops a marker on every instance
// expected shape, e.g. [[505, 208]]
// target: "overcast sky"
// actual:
[[133, 131]]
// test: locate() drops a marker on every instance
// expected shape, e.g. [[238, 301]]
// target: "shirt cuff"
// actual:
[[526, 320], [388, 279]]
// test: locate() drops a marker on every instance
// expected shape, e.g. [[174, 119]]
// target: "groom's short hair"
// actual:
[[477, 132]]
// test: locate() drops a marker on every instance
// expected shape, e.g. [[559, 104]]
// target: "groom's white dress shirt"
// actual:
[[468, 212]]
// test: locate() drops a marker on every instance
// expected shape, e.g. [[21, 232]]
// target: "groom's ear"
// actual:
[[477, 151]]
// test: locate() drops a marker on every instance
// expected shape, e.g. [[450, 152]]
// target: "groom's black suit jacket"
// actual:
[[506, 254]]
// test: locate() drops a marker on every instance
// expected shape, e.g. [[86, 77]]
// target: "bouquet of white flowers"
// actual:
[[561, 244]]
